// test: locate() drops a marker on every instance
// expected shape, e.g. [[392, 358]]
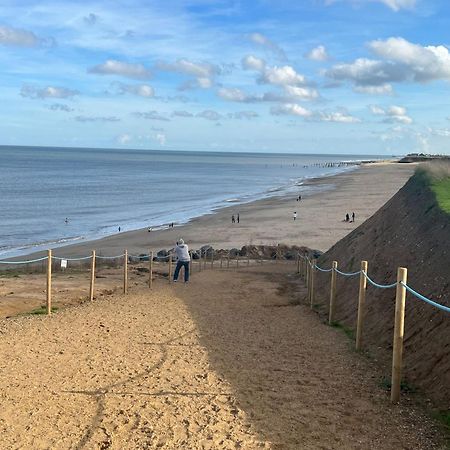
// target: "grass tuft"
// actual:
[[348, 331], [42, 310]]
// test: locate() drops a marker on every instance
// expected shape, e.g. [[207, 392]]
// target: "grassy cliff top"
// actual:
[[437, 177]]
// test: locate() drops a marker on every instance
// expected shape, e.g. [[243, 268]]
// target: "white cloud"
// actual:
[[182, 114], [251, 62], [97, 119], [209, 115], [123, 69], [151, 115], [47, 92], [233, 95], [395, 5], [282, 76], [264, 41], [91, 19], [21, 38], [141, 90], [443, 132], [393, 114], [403, 61], [60, 107], [384, 89], [339, 116], [161, 138], [290, 109], [243, 115], [203, 73], [124, 139], [301, 93], [318, 54]]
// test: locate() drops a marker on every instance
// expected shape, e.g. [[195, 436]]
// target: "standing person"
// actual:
[[183, 258], [232, 219], [353, 216], [294, 215], [238, 218], [347, 218]]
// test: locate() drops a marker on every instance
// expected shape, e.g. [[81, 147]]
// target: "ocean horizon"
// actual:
[[51, 196]]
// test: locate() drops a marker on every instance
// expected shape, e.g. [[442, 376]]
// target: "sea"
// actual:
[[50, 197]]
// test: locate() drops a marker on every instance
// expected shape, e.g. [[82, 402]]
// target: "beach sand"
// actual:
[[319, 225], [234, 360]]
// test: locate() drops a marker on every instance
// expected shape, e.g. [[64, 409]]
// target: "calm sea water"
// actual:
[[98, 190]]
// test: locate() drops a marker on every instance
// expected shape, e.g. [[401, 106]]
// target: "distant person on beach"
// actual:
[[183, 258], [232, 219], [119, 229], [67, 220], [294, 215], [347, 218], [149, 229], [353, 216], [299, 198], [238, 218]]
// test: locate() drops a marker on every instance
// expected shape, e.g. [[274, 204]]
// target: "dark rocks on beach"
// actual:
[[206, 249], [234, 252], [162, 253]]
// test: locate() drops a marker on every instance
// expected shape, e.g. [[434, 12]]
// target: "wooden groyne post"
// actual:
[[311, 289], [91, 289], [399, 328], [361, 304], [49, 282], [170, 268], [332, 291]]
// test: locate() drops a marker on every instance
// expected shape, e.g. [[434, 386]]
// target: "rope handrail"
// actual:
[[425, 299], [348, 274], [72, 259], [24, 262], [110, 257], [382, 286], [323, 270]]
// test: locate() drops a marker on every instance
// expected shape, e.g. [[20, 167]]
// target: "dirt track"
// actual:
[[228, 361]]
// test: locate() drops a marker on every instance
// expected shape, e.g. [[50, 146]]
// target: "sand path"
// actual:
[[229, 361]]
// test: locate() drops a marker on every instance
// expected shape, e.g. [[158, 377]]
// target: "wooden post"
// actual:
[[212, 259], [170, 268], [205, 259], [307, 274], [91, 290], [237, 261], [190, 263], [332, 291], [399, 327], [248, 260], [313, 273], [298, 263], [361, 304], [150, 269], [49, 282], [228, 261], [125, 272], [221, 261]]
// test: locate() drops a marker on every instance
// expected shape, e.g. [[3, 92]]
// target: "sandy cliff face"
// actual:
[[408, 231]]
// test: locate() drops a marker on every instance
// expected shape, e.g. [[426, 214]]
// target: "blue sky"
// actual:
[[310, 76]]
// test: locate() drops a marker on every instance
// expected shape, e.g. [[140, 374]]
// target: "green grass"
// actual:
[[441, 189], [385, 384], [42, 310], [444, 418], [348, 331]]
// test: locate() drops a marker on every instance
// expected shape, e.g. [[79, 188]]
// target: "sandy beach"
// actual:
[[320, 217]]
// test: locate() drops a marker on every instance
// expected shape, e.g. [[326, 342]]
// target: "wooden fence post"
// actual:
[[170, 268], [212, 259], [313, 273], [125, 272], [49, 282], [399, 327], [190, 263], [307, 274], [237, 261], [228, 260], [332, 291], [221, 261], [150, 269], [298, 263], [361, 304], [205, 259], [248, 260], [91, 290]]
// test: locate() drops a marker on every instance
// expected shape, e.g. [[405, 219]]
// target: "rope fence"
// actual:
[[307, 267]]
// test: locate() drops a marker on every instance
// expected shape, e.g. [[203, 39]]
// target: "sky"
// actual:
[[305, 76]]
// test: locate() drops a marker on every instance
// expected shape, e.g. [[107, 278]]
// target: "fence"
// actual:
[[205, 259], [307, 268]]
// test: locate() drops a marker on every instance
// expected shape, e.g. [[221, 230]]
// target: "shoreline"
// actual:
[[266, 221]]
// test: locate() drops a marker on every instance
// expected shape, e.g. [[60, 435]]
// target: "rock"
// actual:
[[162, 253]]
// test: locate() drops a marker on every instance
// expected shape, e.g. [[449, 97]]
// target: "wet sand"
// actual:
[[320, 217]]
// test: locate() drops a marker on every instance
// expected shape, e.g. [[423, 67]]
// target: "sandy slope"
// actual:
[[228, 361]]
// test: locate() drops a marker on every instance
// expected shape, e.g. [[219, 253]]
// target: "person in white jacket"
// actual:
[[183, 259]]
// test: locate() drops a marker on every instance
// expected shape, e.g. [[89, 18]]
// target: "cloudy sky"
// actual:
[[309, 76]]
